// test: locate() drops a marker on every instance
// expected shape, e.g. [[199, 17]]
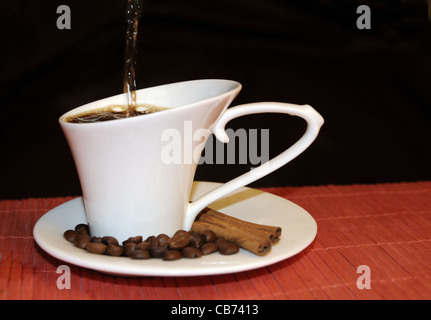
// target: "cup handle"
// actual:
[[314, 122]]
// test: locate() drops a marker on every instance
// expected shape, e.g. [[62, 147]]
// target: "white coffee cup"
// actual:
[[128, 188]]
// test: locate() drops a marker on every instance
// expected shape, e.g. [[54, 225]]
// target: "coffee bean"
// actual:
[[226, 247], [208, 248], [143, 246], [153, 241], [96, 239], [140, 254], [114, 250], [129, 248], [110, 240], [197, 240], [183, 233], [191, 252], [163, 240], [178, 242], [96, 247], [157, 252], [172, 255], [135, 240], [70, 235], [81, 240], [82, 236], [82, 228], [209, 236]]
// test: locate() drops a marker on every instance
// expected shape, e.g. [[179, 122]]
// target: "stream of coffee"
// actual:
[[112, 112], [133, 13]]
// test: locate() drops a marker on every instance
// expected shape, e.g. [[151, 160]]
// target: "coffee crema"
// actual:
[[114, 112]]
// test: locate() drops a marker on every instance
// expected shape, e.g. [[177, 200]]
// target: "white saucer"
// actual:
[[298, 231]]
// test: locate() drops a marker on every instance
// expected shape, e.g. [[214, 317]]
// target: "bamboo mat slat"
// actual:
[[386, 227]]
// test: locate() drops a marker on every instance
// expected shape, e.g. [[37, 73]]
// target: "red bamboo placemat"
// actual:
[[384, 227]]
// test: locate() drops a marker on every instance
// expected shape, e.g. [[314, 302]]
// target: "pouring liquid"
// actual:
[[133, 13]]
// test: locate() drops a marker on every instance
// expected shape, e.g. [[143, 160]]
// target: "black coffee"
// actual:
[[114, 112]]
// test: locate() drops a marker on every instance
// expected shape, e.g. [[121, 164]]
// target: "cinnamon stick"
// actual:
[[256, 246], [256, 238], [273, 233]]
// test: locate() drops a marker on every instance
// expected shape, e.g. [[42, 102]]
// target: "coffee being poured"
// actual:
[[113, 112], [133, 12]]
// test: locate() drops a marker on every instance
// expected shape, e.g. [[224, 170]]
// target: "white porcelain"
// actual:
[[298, 231], [127, 188]]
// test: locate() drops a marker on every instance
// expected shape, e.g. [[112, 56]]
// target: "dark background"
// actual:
[[371, 86]]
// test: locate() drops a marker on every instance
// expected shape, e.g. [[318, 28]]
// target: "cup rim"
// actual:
[[100, 103]]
